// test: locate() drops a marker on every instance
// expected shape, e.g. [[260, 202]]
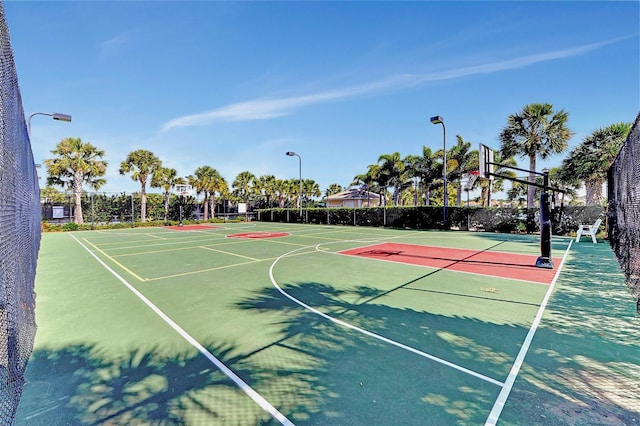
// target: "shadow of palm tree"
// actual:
[[352, 378], [80, 385], [582, 368], [585, 368]]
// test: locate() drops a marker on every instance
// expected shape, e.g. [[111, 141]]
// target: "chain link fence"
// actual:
[[124, 208], [624, 209], [19, 235]]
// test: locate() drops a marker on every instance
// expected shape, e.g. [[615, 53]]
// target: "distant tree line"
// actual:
[[535, 132]]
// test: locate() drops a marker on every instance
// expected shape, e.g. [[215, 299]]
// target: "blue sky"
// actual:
[[235, 85]]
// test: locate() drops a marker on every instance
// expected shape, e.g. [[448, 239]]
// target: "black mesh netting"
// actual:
[[19, 235], [624, 208]]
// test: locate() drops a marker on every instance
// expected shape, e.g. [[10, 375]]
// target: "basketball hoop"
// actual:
[[183, 190], [472, 176]]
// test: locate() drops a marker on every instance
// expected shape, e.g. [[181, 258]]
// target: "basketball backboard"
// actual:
[[485, 165]]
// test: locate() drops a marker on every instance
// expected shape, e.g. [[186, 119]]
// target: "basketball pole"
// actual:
[[545, 260]]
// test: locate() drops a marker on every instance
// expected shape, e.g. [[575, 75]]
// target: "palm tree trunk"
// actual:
[[77, 193], [593, 196], [143, 205], [205, 205], [166, 206], [212, 205]]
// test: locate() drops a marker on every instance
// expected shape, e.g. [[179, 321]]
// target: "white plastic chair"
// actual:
[[591, 230]]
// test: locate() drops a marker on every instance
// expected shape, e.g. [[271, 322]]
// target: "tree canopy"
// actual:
[[76, 163]]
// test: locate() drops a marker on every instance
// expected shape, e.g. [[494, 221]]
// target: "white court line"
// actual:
[[369, 333], [494, 415], [257, 398]]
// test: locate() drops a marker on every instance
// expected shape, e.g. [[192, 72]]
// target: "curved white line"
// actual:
[[366, 332]]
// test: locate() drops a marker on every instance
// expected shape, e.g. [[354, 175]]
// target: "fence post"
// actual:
[[92, 213]]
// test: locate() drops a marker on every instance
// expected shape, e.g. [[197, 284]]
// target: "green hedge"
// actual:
[[502, 219]]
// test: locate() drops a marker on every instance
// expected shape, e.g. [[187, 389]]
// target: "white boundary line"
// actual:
[[257, 398], [367, 332], [494, 415]]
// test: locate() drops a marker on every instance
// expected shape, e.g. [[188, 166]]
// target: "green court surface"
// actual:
[[164, 326]]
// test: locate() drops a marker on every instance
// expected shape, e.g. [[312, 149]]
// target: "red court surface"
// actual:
[[259, 235], [192, 227], [495, 264]]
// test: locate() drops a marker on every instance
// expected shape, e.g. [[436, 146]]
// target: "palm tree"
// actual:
[[426, 169], [570, 184], [461, 159], [166, 178], [489, 186], [281, 188], [49, 194], [208, 180], [141, 163], [557, 179], [77, 163], [590, 161], [381, 179], [392, 170], [310, 189], [368, 182], [216, 184], [244, 186], [334, 188], [292, 191], [266, 185], [536, 131]]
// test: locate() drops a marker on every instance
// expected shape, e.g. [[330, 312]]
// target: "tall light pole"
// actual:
[[291, 154], [56, 116], [438, 120]]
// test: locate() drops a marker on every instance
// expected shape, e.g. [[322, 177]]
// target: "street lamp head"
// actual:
[[61, 117], [291, 153], [437, 120], [55, 115]]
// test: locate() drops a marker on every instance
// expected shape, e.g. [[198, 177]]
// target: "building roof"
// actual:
[[353, 194]]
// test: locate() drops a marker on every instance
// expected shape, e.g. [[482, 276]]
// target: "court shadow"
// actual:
[[345, 376], [585, 368], [81, 385], [582, 367]]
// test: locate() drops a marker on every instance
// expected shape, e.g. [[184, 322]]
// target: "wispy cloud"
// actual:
[[264, 109], [112, 45]]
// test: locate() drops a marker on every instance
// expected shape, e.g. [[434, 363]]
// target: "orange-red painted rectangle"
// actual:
[[492, 263]]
